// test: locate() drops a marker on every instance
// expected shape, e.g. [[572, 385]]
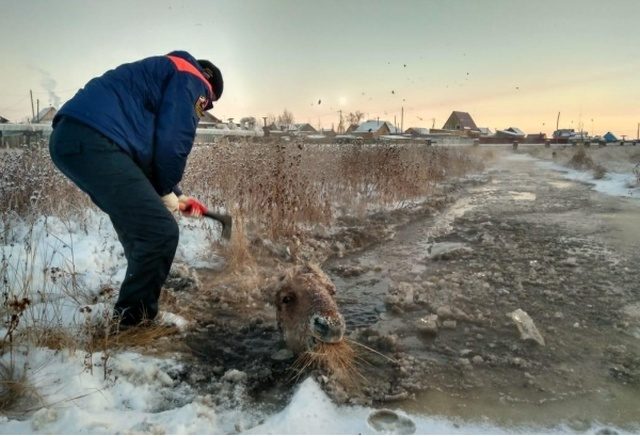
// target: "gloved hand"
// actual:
[[189, 206], [171, 202]]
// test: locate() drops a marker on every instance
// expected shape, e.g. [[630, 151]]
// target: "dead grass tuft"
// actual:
[[338, 360], [599, 172], [109, 339], [13, 386], [581, 160], [237, 252]]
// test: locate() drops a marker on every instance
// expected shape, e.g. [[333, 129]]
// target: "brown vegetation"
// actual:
[[280, 186]]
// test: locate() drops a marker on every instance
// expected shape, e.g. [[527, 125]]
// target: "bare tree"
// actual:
[[285, 118], [355, 117]]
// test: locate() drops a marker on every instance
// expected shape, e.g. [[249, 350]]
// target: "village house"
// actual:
[[292, 129], [417, 131], [208, 121], [511, 133], [461, 122], [535, 138], [374, 128], [485, 132], [351, 128], [610, 137], [45, 116], [3, 120], [304, 128], [563, 135]]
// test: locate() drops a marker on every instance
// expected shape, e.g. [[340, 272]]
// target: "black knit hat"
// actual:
[[213, 76]]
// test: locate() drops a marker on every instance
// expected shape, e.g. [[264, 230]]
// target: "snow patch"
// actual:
[[614, 184]]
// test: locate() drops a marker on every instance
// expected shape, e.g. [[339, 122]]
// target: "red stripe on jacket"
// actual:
[[186, 66]]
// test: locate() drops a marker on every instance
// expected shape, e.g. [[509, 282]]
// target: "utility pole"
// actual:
[[33, 114], [38, 110], [401, 119], [395, 124], [638, 132], [433, 123], [557, 124]]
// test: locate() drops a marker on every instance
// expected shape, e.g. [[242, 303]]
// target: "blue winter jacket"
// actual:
[[150, 108]]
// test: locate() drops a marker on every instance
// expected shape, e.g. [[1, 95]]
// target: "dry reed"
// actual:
[[338, 360]]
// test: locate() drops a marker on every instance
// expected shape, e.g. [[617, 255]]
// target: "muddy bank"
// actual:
[[433, 290]]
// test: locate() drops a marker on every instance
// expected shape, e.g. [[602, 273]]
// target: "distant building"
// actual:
[[327, 132], [45, 115], [563, 135], [374, 129], [536, 138], [511, 132], [304, 128], [485, 131], [3, 120], [292, 129], [351, 128], [610, 137], [460, 121], [208, 121], [417, 131]]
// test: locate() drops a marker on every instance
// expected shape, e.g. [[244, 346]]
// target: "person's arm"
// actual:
[[176, 124]]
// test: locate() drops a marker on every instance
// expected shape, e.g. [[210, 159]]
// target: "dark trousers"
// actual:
[[147, 230]]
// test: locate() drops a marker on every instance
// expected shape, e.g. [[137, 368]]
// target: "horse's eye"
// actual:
[[287, 299]]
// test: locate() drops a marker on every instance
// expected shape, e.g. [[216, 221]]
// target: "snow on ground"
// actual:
[[138, 396], [62, 265], [615, 184], [141, 395]]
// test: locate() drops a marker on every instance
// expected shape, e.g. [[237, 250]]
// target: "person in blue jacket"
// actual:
[[124, 139]]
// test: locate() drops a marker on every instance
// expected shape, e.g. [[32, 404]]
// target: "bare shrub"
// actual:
[[581, 160], [599, 172], [31, 185], [13, 385]]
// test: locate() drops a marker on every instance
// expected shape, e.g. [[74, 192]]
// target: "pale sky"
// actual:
[[507, 62]]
